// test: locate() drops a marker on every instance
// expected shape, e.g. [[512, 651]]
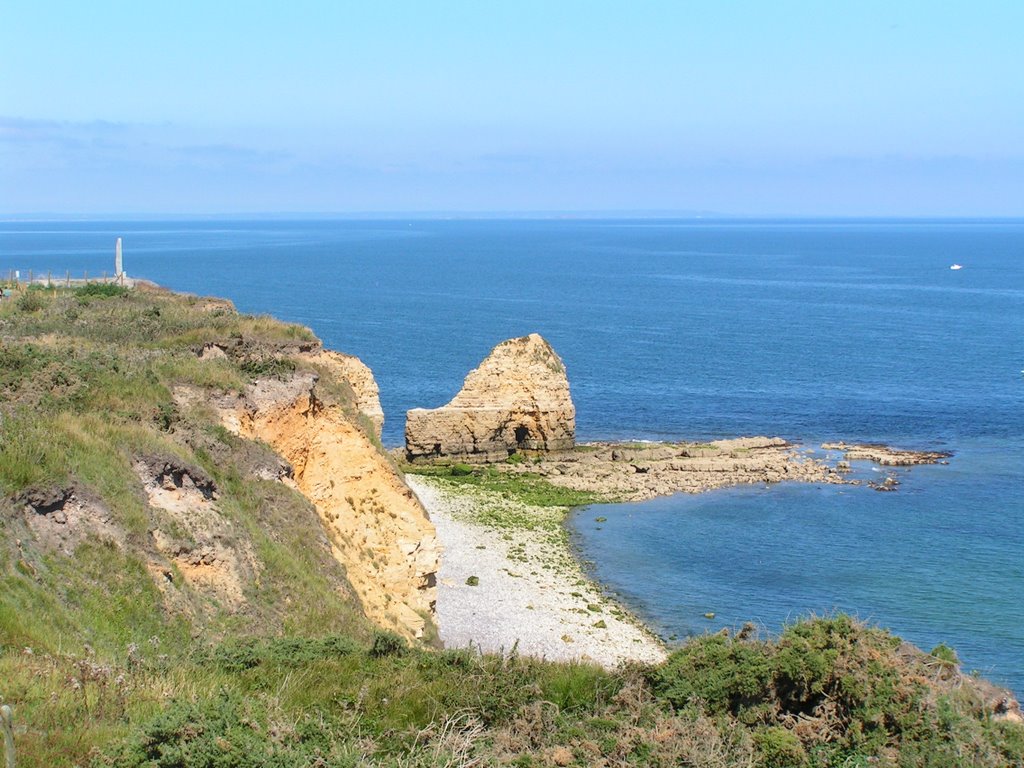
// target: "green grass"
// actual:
[[331, 696], [293, 701], [86, 382], [143, 318], [525, 487]]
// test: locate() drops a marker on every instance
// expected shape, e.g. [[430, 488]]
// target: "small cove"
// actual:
[[912, 561]]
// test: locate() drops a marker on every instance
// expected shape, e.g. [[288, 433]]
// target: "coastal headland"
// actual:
[[205, 551]]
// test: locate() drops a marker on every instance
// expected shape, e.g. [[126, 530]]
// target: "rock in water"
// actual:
[[517, 399]]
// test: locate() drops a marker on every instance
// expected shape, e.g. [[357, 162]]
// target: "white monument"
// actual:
[[118, 266]]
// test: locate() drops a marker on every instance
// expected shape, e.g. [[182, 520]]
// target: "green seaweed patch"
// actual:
[[525, 487]]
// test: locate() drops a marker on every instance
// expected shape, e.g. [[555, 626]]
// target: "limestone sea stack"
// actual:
[[517, 399]]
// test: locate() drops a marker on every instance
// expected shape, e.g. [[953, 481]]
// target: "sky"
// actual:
[[737, 108]]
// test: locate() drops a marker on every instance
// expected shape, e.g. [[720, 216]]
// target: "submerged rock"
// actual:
[[517, 399], [886, 455]]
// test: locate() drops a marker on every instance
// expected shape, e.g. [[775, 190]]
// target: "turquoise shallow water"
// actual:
[[812, 330]]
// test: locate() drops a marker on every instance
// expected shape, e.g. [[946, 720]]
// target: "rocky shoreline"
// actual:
[[640, 471], [515, 412]]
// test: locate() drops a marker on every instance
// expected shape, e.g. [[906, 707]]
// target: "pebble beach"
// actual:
[[508, 583]]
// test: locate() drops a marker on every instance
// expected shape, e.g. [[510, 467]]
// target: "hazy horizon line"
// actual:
[[498, 214]]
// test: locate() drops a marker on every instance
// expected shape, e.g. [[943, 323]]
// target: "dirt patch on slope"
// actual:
[[63, 518], [191, 532]]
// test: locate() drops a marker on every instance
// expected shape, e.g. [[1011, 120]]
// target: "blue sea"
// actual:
[[694, 329]]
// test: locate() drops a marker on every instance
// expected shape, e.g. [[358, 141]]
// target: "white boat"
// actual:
[[956, 266]]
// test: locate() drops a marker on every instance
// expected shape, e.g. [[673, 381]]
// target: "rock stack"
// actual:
[[516, 400]]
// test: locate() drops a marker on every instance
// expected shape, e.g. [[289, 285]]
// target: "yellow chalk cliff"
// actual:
[[378, 529]]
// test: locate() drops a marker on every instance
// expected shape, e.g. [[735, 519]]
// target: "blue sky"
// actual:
[[744, 108]]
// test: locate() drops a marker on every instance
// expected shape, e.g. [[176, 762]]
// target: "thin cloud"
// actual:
[[19, 130], [233, 152]]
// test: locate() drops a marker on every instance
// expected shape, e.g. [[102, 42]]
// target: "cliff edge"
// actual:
[[379, 531]]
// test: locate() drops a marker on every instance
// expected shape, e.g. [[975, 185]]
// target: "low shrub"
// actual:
[[31, 301], [779, 748], [248, 653], [946, 655], [228, 731], [269, 366], [387, 644], [717, 673], [101, 290]]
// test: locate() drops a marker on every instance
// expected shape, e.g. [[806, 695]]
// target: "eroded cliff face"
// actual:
[[378, 529], [359, 377], [517, 399]]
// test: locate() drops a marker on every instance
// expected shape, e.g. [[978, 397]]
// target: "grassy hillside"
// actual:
[[112, 655]]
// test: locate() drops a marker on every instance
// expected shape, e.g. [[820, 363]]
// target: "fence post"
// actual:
[[7, 726]]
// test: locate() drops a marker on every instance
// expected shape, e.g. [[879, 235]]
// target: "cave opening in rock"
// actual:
[[522, 436]]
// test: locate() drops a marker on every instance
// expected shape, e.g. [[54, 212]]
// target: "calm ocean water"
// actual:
[[812, 330]]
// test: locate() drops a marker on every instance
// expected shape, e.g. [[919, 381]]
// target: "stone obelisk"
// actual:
[[118, 266]]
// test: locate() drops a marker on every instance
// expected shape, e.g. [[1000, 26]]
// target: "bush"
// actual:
[[31, 301], [863, 692], [725, 675], [100, 290], [946, 655], [269, 366], [387, 644], [229, 731], [852, 672], [461, 470], [166, 415], [248, 653], [779, 748], [805, 662]]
